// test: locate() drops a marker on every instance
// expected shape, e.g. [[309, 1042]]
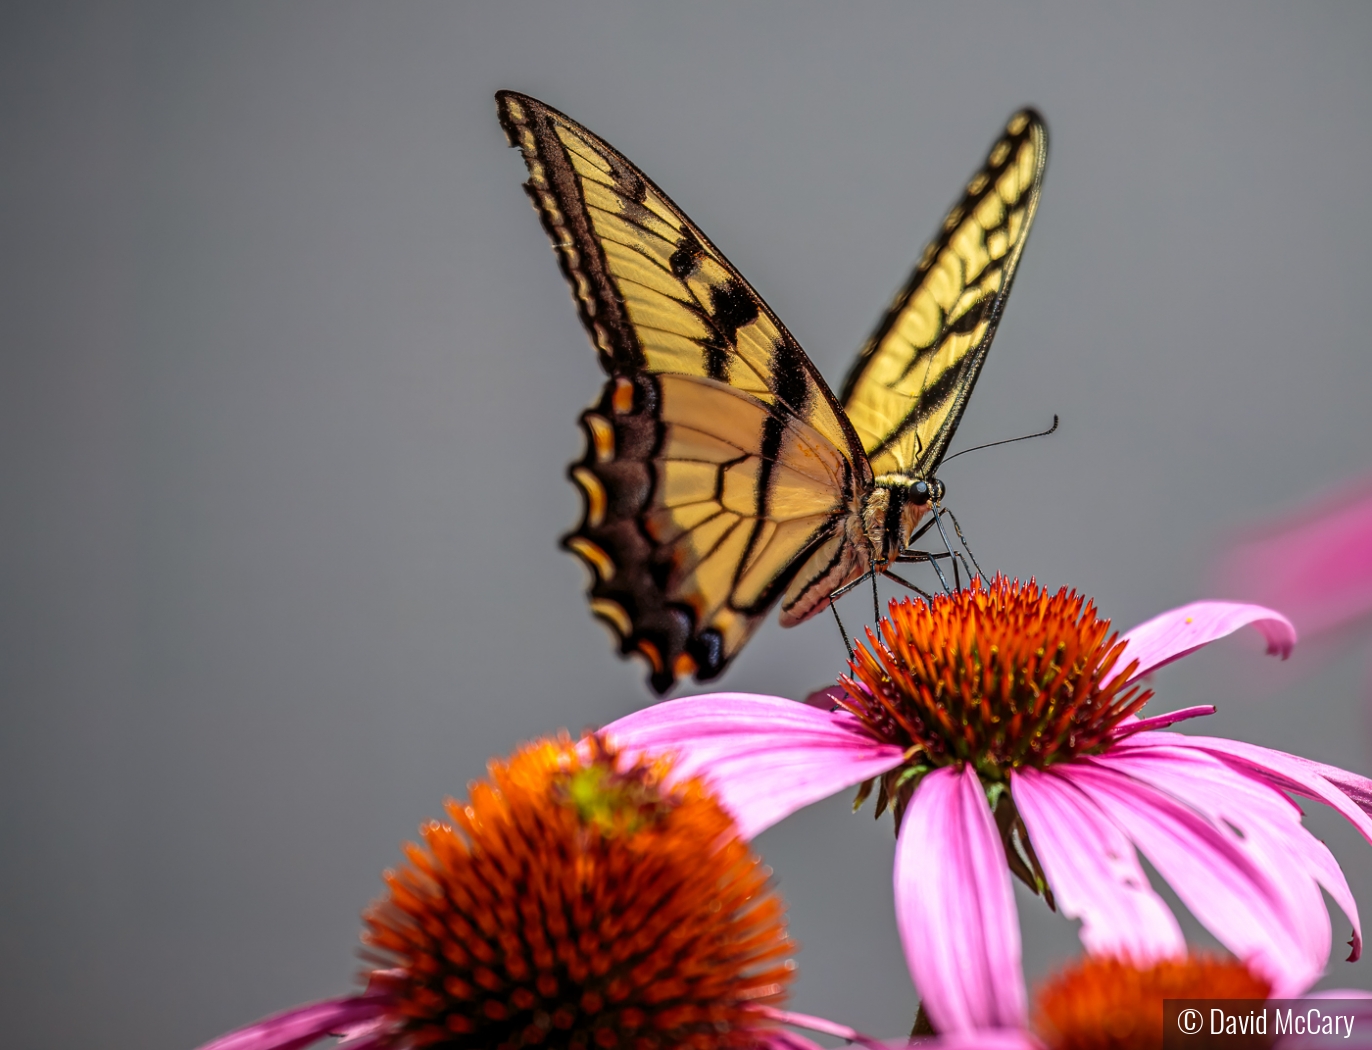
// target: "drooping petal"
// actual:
[[765, 756], [300, 1026], [1180, 631], [1094, 871], [1317, 567], [1356, 787], [1224, 886], [955, 908], [1267, 822], [1299, 776]]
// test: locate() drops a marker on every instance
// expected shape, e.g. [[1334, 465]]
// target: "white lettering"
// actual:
[[1283, 1025]]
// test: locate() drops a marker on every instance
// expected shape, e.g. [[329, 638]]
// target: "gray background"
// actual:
[[290, 380]]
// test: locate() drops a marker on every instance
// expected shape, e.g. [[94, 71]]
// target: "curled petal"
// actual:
[[1094, 872], [300, 1026], [764, 756], [955, 908], [1180, 631], [1226, 886]]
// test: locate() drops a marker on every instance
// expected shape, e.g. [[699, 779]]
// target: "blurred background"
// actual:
[[289, 380]]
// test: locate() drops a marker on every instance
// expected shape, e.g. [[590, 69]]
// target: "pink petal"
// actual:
[[1318, 566], [826, 699], [300, 1026], [1094, 872], [1225, 887], [986, 1039], [955, 909], [1327, 784], [1180, 631], [1267, 822], [818, 1024], [780, 1039], [764, 756], [1134, 724]]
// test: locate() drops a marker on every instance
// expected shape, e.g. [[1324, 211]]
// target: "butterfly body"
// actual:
[[721, 474]]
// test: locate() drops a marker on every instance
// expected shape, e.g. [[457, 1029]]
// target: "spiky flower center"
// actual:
[[1000, 675], [573, 904], [1109, 1004]]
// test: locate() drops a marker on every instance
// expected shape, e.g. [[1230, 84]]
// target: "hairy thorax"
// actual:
[[891, 513]]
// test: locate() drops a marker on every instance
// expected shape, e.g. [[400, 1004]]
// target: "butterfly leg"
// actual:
[[963, 540], [833, 606], [907, 584], [842, 633], [931, 558], [938, 520]]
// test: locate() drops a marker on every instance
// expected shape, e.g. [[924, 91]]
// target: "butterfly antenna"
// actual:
[[1006, 441]]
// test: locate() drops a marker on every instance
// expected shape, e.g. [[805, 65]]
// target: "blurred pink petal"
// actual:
[[780, 1039], [1094, 872], [1316, 566], [765, 757], [955, 909], [818, 1024], [1175, 633], [1223, 885], [986, 1039], [302, 1025]]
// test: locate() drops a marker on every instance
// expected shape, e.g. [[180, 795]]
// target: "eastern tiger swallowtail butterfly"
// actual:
[[721, 474]]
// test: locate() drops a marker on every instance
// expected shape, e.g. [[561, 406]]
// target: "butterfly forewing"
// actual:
[[907, 390], [718, 462]]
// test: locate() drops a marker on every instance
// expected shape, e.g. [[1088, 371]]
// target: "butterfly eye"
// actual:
[[936, 490], [920, 493]]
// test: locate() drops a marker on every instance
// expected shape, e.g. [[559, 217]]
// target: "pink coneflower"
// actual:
[[1316, 565], [570, 903], [1001, 723]]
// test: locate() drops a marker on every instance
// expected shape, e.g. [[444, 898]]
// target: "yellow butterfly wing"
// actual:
[[907, 390], [718, 462]]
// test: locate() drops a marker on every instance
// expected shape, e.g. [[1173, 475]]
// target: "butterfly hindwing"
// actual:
[[718, 462], [907, 390]]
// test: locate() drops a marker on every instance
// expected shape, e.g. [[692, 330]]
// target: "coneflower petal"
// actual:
[[303, 1025], [1175, 633], [1285, 772], [764, 756], [1222, 885], [1268, 826], [1094, 871], [955, 908]]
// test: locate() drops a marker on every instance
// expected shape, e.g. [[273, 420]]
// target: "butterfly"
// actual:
[[721, 475]]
